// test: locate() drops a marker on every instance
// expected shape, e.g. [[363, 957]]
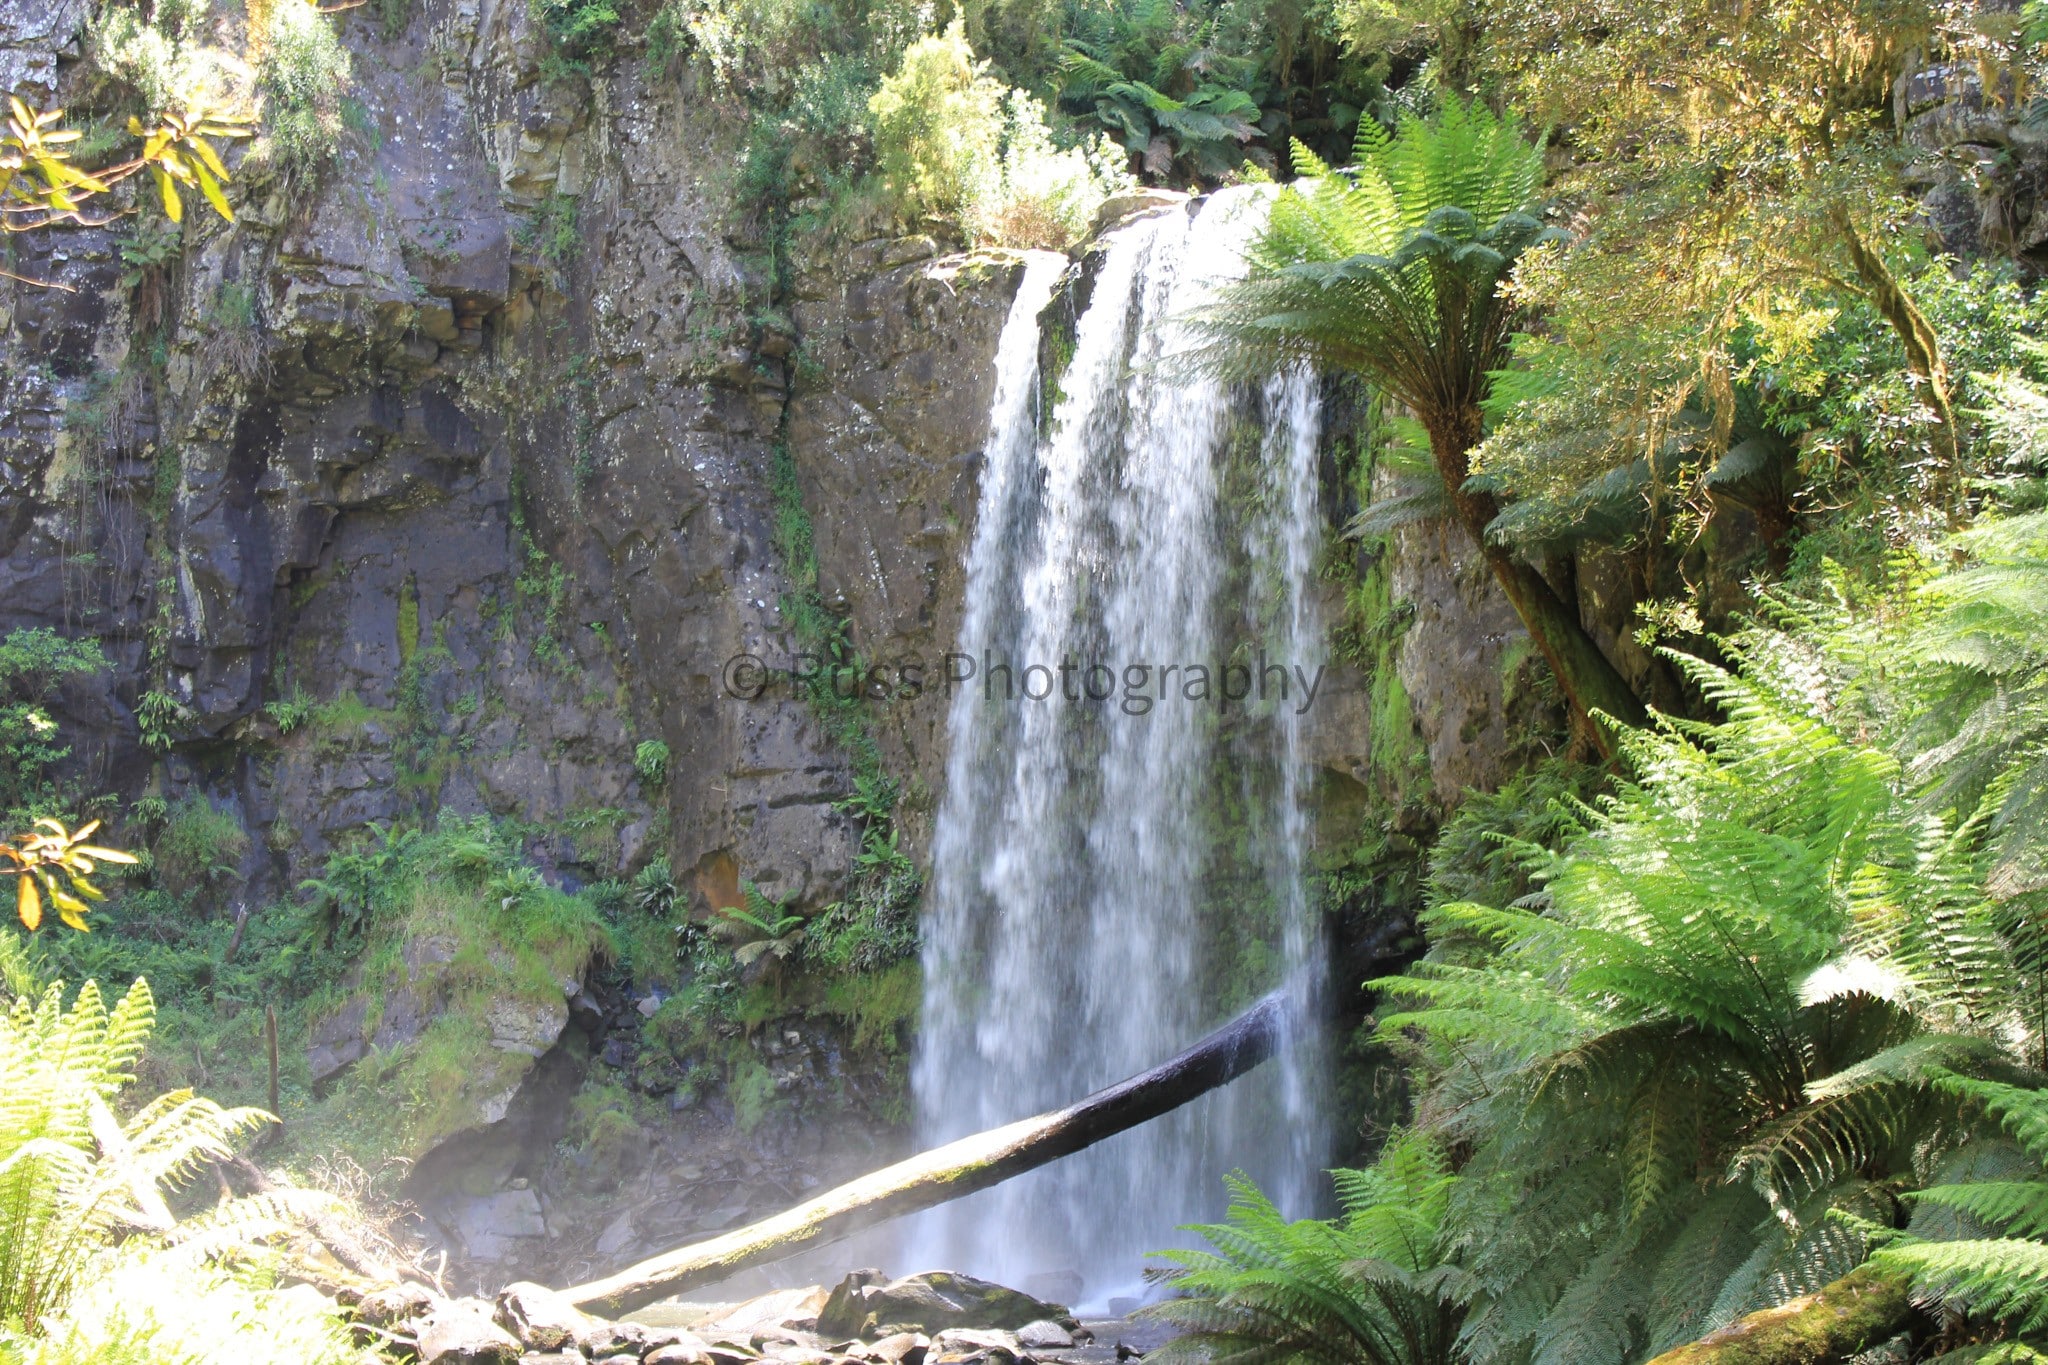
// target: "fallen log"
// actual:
[[948, 1172], [1855, 1313]]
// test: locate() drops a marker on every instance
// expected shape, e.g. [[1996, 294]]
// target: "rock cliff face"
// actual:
[[413, 508]]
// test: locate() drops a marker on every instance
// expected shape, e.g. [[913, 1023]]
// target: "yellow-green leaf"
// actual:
[[211, 189], [174, 207], [28, 903], [207, 156]]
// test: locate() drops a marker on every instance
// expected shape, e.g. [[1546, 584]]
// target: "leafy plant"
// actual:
[[290, 713], [303, 72], [954, 144], [199, 844], [1374, 1285], [650, 760], [156, 713], [1393, 270], [53, 863], [582, 32], [358, 884], [34, 663], [40, 185], [76, 1179], [654, 888], [761, 928], [1202, 132]]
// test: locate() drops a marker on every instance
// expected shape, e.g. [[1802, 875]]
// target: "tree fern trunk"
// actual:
[[1590, 681]]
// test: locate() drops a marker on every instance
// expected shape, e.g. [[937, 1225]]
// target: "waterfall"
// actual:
[[1117, 867]]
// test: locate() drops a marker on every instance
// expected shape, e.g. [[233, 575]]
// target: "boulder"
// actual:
[[845, 1307], [689, 1351], [966, 1346], [463, 1332], [542, 1319], [786, 1309], [394, 1303], [934, 1301], [901, 1348], [1044, 1335]]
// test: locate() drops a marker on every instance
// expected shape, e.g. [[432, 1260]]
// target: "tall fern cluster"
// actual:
[[1775, 1008], [94, 1264]]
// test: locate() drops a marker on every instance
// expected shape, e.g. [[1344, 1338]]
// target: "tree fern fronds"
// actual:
[[1368, 1287], [2005, 1279], [2022, 1112], [2016, 1207], [1600, 1317], [1698, 1260]]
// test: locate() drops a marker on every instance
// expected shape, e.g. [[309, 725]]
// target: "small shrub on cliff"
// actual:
[[582, 32], [650, 760], [198, 844], [33, 665], [955, 144], [302, 73]]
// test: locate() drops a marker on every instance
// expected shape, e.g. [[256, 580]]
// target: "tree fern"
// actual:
[[1714, 1028], [1371, 1286], [72, 1175]]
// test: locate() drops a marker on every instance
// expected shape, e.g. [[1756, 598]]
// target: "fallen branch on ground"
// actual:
[[955, 1169]]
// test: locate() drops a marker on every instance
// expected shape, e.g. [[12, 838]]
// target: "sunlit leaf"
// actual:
[[28, 903]]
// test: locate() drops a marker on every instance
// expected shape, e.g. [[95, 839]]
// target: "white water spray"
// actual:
[[1114, 874]]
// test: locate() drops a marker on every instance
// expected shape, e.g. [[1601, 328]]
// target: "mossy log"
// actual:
[[1855, 1313], [948, 1172]]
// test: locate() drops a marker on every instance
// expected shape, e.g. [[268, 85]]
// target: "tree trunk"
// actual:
[[1923, 349], [1853, 1314], [948, 1172], [1591, 684]]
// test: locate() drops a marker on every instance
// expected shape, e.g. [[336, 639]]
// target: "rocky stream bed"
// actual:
[[931, 1318]]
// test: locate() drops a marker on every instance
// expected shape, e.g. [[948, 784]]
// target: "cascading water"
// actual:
[[1114, 874]]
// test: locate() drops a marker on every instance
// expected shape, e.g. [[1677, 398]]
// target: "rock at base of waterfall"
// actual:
[[463, 1332], [393, 1304], [781, 1310], [931, 1302], [967, 1346], [1044, 1335], [543, 1319], [901, 1348], [686, 1352]]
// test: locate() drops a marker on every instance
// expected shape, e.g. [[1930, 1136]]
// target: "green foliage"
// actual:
[[953, 143], [157, 713], [360, 886], [654, 887], [650, 761], [1201, 133], [582, 32], [1392, 269], [1974, 1271], [303, 73], [290, 713], [198, 845], [34, 663], [75, 1180], [1371, 1286], [550, 231]]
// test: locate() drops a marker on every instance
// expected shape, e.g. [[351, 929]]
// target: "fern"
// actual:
[[1371, 1286], [74, 1178]]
